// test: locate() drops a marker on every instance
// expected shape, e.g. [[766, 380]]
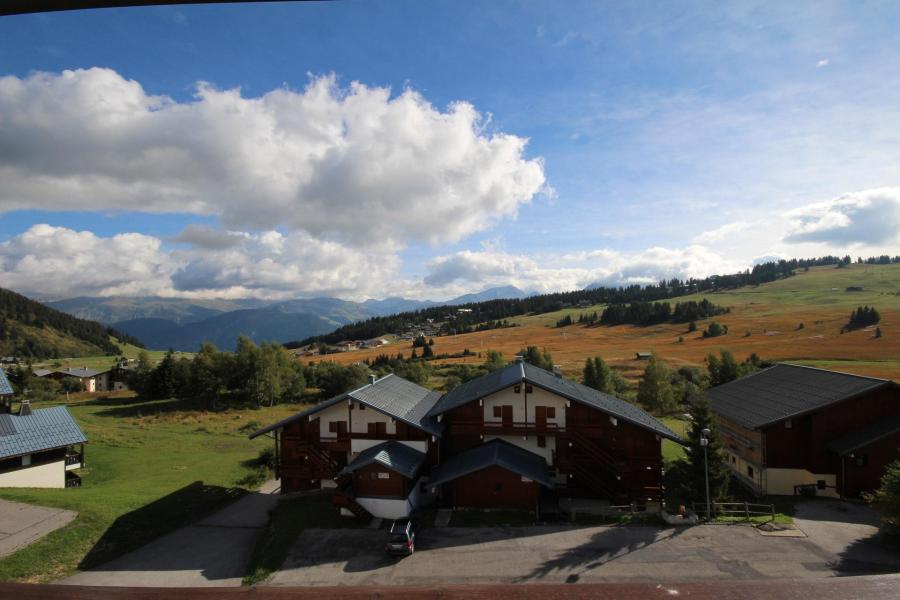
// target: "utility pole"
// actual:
[[704, 441]]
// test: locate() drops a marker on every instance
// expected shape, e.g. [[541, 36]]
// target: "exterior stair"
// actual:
[[343, 498]]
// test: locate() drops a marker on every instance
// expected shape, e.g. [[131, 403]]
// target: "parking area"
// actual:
[[568, 554]]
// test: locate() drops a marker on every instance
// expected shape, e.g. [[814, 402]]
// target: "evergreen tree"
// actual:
[[655, 390], [691, 473], [494, 361], [888, 495], [427, 352], [538, 358], [598, 375], [721, 370]]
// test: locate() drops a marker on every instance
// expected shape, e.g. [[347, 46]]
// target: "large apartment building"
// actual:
[[791, 427], [501, 441]]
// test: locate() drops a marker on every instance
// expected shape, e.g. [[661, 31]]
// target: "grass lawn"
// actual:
[[150, 467], [673, 451], [288, 520]]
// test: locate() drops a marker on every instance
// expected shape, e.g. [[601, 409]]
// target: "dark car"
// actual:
[[402, 538]]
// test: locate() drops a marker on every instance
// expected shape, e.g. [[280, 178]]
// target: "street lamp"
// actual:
[[704, 442]]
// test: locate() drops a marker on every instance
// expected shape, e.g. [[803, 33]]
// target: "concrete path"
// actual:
[[211, 552], [23, 524]]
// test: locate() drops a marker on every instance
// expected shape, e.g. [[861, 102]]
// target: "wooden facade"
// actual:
[[495, 487]]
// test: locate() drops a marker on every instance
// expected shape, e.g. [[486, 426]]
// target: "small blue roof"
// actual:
[[396, 456], [5, 385], [43, 429]]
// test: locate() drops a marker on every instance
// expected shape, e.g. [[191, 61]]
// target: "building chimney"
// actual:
[[557, 370], [25, 408], [519, 359], [371, 379]]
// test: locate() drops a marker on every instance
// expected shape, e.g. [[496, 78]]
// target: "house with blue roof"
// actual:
[[40, 448]]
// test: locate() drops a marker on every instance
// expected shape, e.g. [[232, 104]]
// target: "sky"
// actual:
[[428, 149]]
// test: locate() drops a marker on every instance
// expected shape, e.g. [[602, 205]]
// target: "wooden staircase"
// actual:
[[600, 472], [322, 464], [343, 498]]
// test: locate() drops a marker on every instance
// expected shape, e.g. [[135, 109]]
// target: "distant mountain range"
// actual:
[[162, 323]]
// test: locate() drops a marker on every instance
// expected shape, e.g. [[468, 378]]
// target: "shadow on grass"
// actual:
[[140, 526]]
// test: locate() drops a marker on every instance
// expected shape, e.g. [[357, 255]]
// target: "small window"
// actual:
[[498, 488], [384, 475], [333, 426], [551, 412], [862, 460], [733, 460], [498, 412], [528, 388], [821, 484], [788, 424], [749, 471], [362, 406], [541, 441], [26, 460], [517, 389]]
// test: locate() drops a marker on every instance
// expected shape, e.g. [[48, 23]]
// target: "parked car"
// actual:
[[402, 538]]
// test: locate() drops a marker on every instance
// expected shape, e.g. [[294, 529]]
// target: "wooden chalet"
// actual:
[[791, 427], [589, 444], [371, 444]]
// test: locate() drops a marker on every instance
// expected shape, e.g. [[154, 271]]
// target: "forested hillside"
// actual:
[[28, 329]]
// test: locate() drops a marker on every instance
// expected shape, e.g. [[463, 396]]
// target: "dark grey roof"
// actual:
[[391, 395], [494, 453], [784, 391], [524, 372], [81, 372], [5, 386], [865, 436], [43, 429], [41, 372], [394, 455]]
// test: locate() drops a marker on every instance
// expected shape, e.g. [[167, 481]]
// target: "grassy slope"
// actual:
[[771, 312], [66, 344], [143, 462]]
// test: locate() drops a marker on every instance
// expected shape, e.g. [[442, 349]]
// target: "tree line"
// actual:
[[16, 310], [653, 313]]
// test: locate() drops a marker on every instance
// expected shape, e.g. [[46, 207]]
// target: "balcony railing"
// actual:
[[74, 458], [72, 480], [509, 427]]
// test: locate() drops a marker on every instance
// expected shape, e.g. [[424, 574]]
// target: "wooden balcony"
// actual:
[[74, 459], [72, 480], [506, 428]]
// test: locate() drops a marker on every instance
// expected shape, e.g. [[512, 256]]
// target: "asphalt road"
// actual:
[[22, 524], [580, 555]]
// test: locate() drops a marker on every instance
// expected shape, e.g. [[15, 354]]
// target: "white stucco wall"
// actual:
[[362, 417], [50, 475], [538, 397], [337, 412], [529, 443], [782, 481]]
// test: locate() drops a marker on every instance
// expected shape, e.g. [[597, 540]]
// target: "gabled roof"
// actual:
[[865, 436], [41, 372], [396, 456], [81, 372], [784, 391], [392, 395], [527, 373], [498, 453], [5, 385], [43, 429]]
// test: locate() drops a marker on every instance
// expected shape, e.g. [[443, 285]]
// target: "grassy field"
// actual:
[[150, 467], [105, 361], [770, 313]]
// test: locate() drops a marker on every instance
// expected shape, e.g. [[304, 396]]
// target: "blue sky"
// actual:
[[663, 139]]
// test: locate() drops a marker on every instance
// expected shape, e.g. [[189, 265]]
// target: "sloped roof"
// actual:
[[5, 385], [391, 395], [524, 372], [494, 453], [81, 372], [861, 438], [41, 372], [784, 391], [396, 456], [43, 429]]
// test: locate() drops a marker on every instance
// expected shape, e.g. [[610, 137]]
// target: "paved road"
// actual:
[[583, 555], [211, 552], [23, 524]]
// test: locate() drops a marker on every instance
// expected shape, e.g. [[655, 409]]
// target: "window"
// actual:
[[541, 441], [498, 412], [517, 389], [362, 406], [384, 475], [528, 388], [749, 471], [332, 426], [370, 428], [26, 460], [862, 460], [498, 488], [733, 460], [551, 412]]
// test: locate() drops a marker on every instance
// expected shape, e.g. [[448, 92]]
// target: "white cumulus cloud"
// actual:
[[869, 218], [353, 164]]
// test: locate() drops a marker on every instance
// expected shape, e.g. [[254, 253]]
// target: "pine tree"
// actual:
[[721, 370], [888, 495], [427, 352], [692, 482], [598, 375]]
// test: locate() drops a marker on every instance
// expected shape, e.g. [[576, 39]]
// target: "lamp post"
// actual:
[[704, 442]]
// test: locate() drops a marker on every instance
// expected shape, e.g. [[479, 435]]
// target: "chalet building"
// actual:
[[6, 393], [556, 434], [791, 427], [92, 380], [37, 447], [372, 444], [505, 440]]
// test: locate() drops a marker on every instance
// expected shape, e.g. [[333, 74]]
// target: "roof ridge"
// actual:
[[799, 366]]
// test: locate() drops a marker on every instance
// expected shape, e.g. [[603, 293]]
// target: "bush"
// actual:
[[715, 330]]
